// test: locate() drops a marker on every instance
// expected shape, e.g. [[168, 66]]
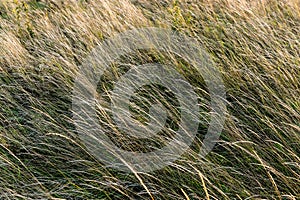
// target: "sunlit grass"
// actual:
[[255, 46]]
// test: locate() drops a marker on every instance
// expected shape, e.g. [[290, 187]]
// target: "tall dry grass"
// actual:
[[254, 44]]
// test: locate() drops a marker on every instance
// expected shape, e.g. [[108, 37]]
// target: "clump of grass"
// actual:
[[254, 44]]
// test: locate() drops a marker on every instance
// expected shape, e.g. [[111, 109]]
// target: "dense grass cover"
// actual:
[[254, 44]]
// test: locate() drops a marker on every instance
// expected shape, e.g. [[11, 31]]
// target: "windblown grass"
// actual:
[[256, 47]]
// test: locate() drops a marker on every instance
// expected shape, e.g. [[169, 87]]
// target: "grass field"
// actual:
[[254, 44]]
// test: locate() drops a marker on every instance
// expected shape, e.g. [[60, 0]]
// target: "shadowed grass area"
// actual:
[[254, 44]]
